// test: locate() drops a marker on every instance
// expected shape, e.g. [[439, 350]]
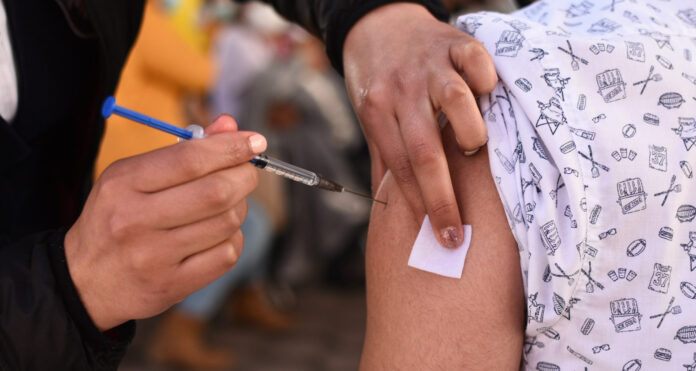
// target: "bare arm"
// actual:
[[422, 321]]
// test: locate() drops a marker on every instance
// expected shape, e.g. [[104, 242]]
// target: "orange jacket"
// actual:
[[161, 69]]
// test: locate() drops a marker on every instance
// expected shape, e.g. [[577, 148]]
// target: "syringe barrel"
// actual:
[[286, 170]]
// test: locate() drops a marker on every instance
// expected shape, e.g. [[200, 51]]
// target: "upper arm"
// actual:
[[419, 320]]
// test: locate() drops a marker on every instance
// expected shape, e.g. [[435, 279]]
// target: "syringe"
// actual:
[[264, 162]]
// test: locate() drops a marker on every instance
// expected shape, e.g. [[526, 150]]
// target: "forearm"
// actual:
[[43, 323], [331, 20]]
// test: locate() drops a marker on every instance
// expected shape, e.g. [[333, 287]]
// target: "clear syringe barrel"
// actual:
[[286, 170]]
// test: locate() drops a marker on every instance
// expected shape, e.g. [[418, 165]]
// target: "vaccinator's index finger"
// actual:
[[183, 162], [423, 141]]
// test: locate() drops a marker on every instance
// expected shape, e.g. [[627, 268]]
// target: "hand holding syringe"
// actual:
[[264, 162]]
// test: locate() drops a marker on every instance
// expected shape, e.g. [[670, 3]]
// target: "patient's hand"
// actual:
[[418, 320], [402, 66]]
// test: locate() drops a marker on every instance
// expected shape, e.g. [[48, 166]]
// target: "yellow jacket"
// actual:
[[161, 69]]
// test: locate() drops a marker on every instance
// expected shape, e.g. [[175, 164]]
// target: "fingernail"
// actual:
[[471, 153], [451, 237], [257, 143]]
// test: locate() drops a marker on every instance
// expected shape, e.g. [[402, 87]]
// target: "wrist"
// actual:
[[83, 283]]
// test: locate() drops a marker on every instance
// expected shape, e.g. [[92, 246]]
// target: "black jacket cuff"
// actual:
[[342, 22], [108, 348]]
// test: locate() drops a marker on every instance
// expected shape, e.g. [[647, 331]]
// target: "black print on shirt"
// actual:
[[579, 10], [692, 366], [569, 277], [691, 79], [582, 102], [574, 59], [554, 192], [633, 365], [666, 233], [595, 165], [470, 24], [664, 62], [688, 16], [587, 326], [632, 197], [658, 158], [661, 39], [663, 354], [687, 334], [670, 310], [601, 48], [671, 100], [686, 169], [623, 273], [624, 153], [569, 214], [651, 77], [523, 84], [604, 26], [529, 343], [636, 248], [551, 114], [579, 355], [690, 249], [550, 333], [591, 282], [651, 119], [600, 348], [585, 134], [611, 85], [672, 188], [687, 131], [686, 213], [635, 51], [659, 282], [688, 289], [539, 54], [625, 315], [628, 131], [550, 237], [553, 79], [539, 148], [535, 311], [631, 17], [509, 44], [607, 233]]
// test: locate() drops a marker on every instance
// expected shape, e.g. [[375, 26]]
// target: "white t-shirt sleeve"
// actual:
[[8, 77]]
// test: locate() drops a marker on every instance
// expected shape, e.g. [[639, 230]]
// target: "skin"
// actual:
[[402, 67], [418, 320], [159, 226]]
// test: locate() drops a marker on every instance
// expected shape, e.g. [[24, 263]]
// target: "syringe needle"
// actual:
[[364, 196]]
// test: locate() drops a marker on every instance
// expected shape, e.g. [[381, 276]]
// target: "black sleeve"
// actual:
[[332, 19], [43, 324]]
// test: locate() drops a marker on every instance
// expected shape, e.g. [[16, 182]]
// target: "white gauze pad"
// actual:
[[427, 254]]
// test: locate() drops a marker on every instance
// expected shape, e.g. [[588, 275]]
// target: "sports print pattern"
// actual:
[[592, 130]]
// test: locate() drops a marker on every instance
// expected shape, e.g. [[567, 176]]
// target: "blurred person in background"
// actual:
[[161, 71], [179, 339], [69, 294], [300, 104]]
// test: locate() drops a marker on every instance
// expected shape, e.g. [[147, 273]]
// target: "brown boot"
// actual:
[[251, 304], [178, 341]]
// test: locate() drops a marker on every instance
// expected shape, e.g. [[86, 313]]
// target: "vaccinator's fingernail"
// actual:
[[451, 237], [257, 143]]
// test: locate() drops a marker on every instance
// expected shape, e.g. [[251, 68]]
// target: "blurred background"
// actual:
[[295, 300]]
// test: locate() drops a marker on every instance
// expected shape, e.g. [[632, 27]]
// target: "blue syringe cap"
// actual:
[[108, 107]]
